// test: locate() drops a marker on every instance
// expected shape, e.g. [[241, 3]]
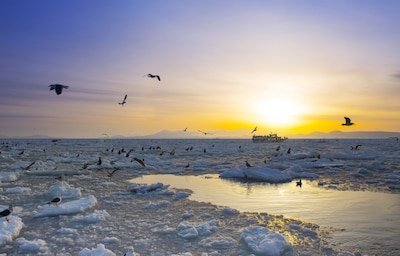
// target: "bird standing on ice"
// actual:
[[58, 88], [348, 122], [154, 76], [56, 200], [6, 212], [124, 101], [248, 165]]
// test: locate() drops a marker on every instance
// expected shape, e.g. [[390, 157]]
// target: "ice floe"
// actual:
[[261, 241], [71, 207], [100, 250], [10, 228], [257, 173]]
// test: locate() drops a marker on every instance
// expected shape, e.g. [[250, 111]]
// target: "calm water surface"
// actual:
[[366, 217]]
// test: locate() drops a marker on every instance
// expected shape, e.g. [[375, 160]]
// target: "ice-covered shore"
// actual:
[[103, 213]]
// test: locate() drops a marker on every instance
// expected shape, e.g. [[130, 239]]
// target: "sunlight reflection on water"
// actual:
[[367, 217]]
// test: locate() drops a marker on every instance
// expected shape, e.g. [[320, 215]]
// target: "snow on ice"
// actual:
[[263, 242], [71, 207], [10, 228], [103, 213]]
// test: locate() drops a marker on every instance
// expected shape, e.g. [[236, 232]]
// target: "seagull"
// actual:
[[205, 133], [56, 200], [299, 183], [154, 76], [58, 88], [248, 165], [185, 129], [140, 161], [110, 174], [6, 212], [254, 130], [348, 122], [356, 147], [124, 101]]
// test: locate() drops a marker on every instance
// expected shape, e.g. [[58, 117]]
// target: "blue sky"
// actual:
[[292, 66]]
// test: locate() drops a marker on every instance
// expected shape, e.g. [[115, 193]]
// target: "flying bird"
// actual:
[[348, 122], [140, 161], [205, 133], [58, 88], [254, 130], [299, 183], [185, 129], [124, 101], [154, 76]]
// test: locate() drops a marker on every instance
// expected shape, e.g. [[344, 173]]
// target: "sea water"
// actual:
[[362, 218]]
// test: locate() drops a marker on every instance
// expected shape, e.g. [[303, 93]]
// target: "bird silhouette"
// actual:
[[348, 122], [205, 133], [58, 88], [140, 161], [299, 183], [254, 130], [124, 101], [154, 76], [356, 147], [248, 165], [56, 200], [7, 212]]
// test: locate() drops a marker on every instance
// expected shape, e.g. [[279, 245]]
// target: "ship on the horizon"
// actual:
[[272, 137]]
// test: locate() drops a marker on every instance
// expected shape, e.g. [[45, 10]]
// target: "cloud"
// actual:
[[397, 75]]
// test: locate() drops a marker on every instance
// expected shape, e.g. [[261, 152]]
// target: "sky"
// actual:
[[285, 66]]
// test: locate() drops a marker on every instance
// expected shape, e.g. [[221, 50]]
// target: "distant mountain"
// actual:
[[167, 134], [340, 134], [245, 134]]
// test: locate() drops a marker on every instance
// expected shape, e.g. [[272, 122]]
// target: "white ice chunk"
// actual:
[[71, 207], [144, 188], [17, 190], [99, 251], [263, 242], [257, 173], [9, 229], [181, 194], [9, 176], [64, 190], [189, 230], [32, 247]]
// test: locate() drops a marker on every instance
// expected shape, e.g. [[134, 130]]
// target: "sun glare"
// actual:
[[278, 112]]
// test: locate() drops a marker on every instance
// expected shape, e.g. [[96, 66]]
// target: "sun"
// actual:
[[277, 112]]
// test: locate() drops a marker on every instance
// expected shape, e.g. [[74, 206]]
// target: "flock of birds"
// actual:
[[59, 87]]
